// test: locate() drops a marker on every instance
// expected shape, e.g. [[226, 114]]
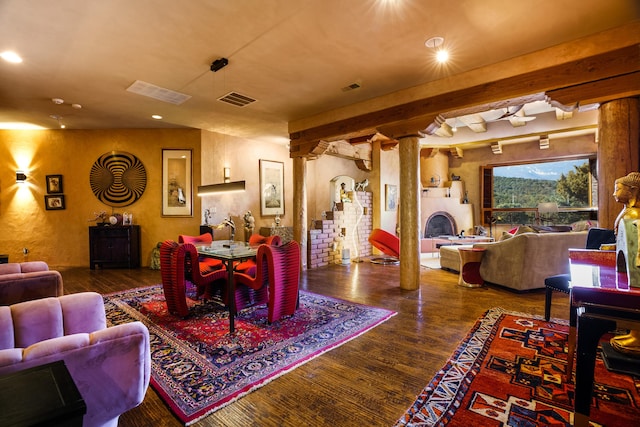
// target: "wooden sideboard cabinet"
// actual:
[[114, 246]]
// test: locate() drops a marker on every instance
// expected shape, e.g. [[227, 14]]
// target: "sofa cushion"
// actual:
[[32, 266], [83, 312], [55, 346], [36, 320], [10, 268], [10, 356], [6, 328]]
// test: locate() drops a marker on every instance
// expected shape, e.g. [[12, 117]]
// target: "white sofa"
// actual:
[[523, 261]]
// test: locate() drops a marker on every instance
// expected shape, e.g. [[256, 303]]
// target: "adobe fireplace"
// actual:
[[440, 223]]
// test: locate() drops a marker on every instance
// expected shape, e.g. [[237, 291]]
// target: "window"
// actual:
[[511, 193]]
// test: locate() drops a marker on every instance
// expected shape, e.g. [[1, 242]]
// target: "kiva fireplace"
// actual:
[[440, 223]]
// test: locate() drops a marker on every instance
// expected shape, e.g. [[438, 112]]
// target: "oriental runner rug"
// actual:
[[197, 367], [509, 371]]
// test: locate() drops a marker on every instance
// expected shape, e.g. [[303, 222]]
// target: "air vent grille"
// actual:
[[237, 99], [352, 86], [157, 92]]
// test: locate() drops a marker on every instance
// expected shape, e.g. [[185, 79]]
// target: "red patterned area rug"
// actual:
[[509, 371], [197, 367]]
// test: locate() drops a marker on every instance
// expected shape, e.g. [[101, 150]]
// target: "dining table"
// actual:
[[229, 252], [602, 300]]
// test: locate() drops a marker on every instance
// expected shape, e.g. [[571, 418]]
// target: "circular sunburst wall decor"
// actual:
[[118, 179]]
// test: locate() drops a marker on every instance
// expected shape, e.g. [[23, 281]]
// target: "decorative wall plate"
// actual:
[[118, 178]]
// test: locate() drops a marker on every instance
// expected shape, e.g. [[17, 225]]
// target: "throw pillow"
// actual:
[[582, 225], [505, 235], [524, 229]]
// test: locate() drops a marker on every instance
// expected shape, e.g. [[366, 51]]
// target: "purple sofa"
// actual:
[[110, 366], [25, 281]]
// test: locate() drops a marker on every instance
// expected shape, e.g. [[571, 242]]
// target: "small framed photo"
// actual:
[[54, 184], [176, 183], [54, 202], [391, 193], [271, 188]]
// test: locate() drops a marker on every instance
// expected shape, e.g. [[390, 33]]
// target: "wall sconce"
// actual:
[[21, 177], [227, 174]]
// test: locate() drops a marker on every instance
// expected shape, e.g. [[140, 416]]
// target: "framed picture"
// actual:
[[391, 197], [271, 188], [52, 203], [54, 184], [177, 182]]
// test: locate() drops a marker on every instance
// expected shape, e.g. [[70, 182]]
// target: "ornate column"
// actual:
[[618, 152], [300, 206], [409, 206]]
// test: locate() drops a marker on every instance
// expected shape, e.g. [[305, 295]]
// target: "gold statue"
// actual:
[[627, 192]]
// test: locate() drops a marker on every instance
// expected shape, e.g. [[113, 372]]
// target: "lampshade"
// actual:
[[226, 187], [547, 208]]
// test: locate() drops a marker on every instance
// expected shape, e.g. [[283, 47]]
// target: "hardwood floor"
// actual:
[[370, 380]]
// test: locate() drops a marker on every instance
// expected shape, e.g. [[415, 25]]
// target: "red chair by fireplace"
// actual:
[[385, 242]]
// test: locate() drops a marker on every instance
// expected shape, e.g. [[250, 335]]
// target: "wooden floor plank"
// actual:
[[370, 380]]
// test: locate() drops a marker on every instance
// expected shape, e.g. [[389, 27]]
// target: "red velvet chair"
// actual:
[[249, 266], [278, 272], [385, 242], [207, 265], [174, 261]]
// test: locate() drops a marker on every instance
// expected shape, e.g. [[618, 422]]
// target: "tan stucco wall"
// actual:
[[60, 237], [243, 157]]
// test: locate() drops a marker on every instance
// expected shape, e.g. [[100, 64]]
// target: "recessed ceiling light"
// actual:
[[11, 57], [156, 116], [434, 42], [442, 55]]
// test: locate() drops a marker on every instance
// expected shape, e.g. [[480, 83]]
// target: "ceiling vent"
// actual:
[[352, 86], [239, 100], [157, 92]]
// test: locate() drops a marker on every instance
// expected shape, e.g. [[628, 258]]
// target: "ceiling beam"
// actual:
[[597, 92], [415, 116]]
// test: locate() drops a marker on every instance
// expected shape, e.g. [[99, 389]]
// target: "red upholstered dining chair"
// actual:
[[249, 266], [206, 265], [173, 264], [278, 273]]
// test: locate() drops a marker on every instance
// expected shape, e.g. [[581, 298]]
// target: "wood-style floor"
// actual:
[[370, 380]]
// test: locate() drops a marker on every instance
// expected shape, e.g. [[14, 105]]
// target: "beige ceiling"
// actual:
[[295, 57]]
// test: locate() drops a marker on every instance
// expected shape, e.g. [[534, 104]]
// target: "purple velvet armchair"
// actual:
[[110, 366]]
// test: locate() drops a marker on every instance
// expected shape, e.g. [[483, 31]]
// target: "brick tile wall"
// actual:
[[337, 231]]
